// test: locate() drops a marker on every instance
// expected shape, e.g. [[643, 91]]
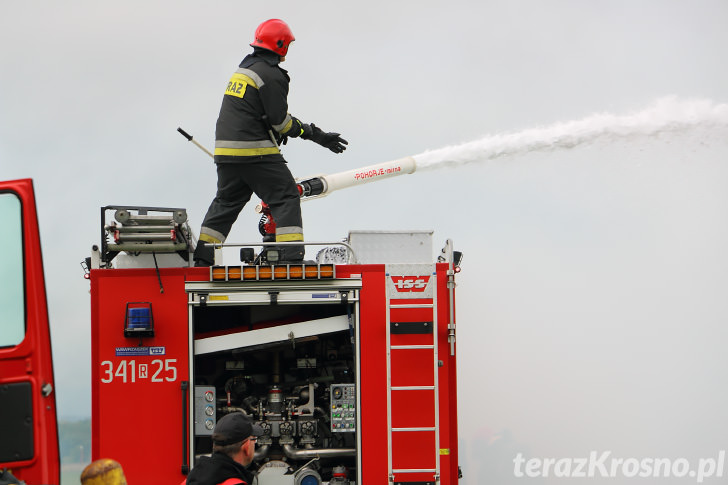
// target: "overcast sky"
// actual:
[[592, 302]]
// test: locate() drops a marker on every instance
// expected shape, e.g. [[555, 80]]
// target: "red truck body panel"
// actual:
[[405, 383]]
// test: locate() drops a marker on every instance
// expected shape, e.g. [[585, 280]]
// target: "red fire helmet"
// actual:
[[274, 35]]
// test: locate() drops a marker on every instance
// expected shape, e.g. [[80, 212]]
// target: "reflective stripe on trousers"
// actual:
[[288, 233]]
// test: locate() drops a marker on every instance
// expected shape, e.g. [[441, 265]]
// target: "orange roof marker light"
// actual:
[[273, 272]]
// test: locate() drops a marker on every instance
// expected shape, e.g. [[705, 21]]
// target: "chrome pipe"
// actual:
[[261, 452], [309, 453]]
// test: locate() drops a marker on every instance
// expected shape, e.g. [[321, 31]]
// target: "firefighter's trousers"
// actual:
[[272, 181]]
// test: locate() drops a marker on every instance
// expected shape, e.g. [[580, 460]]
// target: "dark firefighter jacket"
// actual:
[[217, 469], [259, 87]]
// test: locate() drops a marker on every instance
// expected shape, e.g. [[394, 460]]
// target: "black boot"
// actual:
[[204, 254], [293, 254], [282, 254]]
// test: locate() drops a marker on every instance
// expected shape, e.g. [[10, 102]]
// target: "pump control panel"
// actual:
[[343, 408], [205, 412]]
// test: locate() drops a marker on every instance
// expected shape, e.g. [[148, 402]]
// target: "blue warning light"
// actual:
[[139, 321]]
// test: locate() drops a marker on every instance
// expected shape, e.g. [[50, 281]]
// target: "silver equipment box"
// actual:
[[373, 247]]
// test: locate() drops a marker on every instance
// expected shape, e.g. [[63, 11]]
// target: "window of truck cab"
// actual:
[[12, 293]]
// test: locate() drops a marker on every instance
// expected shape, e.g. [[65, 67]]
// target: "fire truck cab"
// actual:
[[28, 424], [347, 363]]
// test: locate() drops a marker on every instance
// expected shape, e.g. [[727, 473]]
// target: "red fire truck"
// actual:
[[28, 427], [346, 361]]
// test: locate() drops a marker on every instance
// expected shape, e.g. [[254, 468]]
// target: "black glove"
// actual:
[[332, 141]]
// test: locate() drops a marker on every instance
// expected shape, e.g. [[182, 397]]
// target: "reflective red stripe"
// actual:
[[233, 481]]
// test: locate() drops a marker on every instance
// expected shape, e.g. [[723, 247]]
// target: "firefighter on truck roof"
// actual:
[[253, 123]]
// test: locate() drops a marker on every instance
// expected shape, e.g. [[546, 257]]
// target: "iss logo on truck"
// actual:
[[410, 283]]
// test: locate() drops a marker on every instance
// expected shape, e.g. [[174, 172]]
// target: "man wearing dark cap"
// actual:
[[233, 449]]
